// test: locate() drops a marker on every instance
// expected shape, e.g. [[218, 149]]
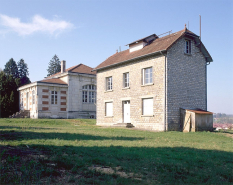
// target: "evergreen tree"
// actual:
[[23, 72], [54, 66], [9, 96], [11, 68]]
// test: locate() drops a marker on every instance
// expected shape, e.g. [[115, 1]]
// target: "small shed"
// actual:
[[193, 120]]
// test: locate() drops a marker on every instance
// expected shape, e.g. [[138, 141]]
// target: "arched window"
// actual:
[[89, 94]]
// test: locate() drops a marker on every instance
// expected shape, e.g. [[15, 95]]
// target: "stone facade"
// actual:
[[135, 93], [179, 80], [69, 95], [186, 82]]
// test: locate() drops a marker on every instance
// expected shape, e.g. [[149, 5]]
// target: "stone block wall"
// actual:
[[27, 103], [48, 110], [135, 93], [78, 109], [186, 81]]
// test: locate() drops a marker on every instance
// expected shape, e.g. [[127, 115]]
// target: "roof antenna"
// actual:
[[119, 48], [200, 26]]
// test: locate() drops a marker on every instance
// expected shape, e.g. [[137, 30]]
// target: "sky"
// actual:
[[89, 31]]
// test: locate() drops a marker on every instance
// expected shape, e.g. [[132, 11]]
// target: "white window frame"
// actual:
[[84, 96], [126, 80], [89, 94], [54, 97], [147, 73], [109, 109], [109, 83], [147, 106], [187, 46]]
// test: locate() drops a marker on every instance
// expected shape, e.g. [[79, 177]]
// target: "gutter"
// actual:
[[142, 56], [68, 94]]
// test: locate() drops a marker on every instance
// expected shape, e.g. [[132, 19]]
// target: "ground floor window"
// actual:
[[147, 106], [89, 94], [21, 103], [33, 97], [109, 109], [54, 97]]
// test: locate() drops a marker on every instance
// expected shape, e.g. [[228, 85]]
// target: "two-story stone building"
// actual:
[[147, 84], [70, 93]]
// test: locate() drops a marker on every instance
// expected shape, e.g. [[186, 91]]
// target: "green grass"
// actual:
[[56, 151]]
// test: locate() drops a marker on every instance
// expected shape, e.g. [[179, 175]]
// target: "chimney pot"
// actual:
[[63, 66]]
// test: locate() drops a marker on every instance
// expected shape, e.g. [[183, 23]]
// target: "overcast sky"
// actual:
[[90, 31]]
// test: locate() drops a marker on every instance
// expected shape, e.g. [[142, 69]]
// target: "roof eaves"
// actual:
[[39, 82], [70, 72], [119, 63]]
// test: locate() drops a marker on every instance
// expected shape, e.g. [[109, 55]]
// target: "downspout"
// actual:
[[68, 97], [165, 91]]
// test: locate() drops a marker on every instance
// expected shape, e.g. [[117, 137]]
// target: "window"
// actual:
[[109, 83], [54, 97], [33, 97], [188, 46], [84, 96], [92, 97], [147, 106], [147, 76], [21, 99], [126, 80], [108, 109], [89, 94]]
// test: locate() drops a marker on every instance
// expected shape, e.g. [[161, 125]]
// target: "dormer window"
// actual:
[[139, 44], [187, 46]]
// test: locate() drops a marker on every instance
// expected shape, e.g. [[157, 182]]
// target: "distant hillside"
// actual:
[[222, 118]]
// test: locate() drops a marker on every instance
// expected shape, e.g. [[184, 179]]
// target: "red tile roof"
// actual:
[[80, 68], [159, 44], [53, 81]]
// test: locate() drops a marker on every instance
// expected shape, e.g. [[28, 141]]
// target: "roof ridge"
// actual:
[[73, 67]]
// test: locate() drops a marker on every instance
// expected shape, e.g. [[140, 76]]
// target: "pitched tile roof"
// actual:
[[159, 44], [80, 68], [53, 81]]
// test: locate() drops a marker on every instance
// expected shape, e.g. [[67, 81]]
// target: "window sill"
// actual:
[[108, 116], [108, 91], [189, 54], [147, 84], [147, 115], [125, 88]]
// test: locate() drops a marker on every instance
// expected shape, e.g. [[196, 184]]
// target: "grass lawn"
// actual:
[[55, 151]]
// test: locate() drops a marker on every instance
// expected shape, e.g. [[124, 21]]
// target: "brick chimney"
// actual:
[[63, 66]]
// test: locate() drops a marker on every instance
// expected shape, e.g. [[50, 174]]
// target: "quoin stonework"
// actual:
[[70, 93], [147, 85]]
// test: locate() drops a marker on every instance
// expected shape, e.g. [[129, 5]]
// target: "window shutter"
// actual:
[[148, 106], [109, 109]]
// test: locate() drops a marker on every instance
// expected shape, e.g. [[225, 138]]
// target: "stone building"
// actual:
[[146, 85], [70, 93]]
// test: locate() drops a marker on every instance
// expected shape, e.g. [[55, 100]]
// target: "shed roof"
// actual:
[[199, 111]]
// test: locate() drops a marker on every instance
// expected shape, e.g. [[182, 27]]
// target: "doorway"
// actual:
[[126, 111]]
